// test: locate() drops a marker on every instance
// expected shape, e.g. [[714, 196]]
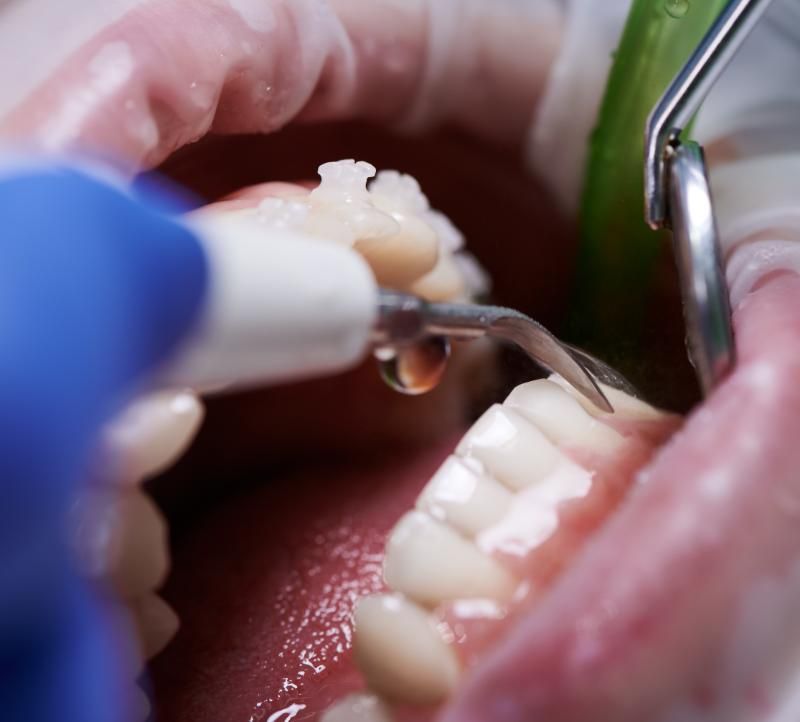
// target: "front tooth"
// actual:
[[466, 500], [143, 558], [431, 563], [511, 449], [358, 708], [156, 623], [561, 418], [401, 652], [152, 433]]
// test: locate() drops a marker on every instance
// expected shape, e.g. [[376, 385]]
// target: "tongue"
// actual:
[[686, 606], [265, 588]]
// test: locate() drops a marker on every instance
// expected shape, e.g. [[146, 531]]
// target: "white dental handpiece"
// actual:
[[280, 307]]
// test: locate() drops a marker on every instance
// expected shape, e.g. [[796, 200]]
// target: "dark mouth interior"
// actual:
[[248, 441]]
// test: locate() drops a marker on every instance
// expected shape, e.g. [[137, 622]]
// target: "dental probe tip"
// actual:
[[546, 350], [405, 318]]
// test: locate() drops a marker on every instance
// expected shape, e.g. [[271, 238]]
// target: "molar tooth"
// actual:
[[561, 418], [401, 652], [468, 501], [156, 622], [513, 450], [403, 257], [444, 282], [431, 563], [357, 708]]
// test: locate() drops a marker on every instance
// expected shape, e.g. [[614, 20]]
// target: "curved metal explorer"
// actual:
[[404, 319]]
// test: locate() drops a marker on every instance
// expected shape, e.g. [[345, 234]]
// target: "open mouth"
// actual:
[[594, 567]]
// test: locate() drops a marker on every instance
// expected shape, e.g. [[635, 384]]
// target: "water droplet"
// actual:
[[676, 8], [414, 369]]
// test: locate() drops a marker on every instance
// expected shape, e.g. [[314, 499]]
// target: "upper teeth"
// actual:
[[408, 245]]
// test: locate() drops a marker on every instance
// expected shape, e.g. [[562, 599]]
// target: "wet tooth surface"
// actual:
[[432, 563], [400, 259], [152, 433], [445, 281], [358, 708], [401, 652], [156, 623], [463, 498], [143, 559], [561, 418], [512, 449]]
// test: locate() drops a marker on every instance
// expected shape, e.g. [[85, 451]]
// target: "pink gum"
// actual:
[[649, 616]]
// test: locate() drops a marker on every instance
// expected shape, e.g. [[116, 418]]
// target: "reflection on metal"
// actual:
[[404, 320], [706, 308], [677, 193], [682, 99]]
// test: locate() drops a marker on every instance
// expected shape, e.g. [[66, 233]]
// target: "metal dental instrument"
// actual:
[[678, 196], [405, 319]]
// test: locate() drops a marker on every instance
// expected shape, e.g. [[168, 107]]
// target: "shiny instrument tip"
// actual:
[[404, 319]]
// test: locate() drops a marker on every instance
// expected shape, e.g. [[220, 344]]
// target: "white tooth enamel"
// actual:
[[442, 283], [561, 418], [477, 282], [625, 405], [342, 207], [156, 623], [357, 708], [533, 516], [511, 449], [400, 259], [431, 563], [393, 190], [450, 238], [463, 498], [152, 433], [401, 652], [408, 245], [143, 559], [287, 213]]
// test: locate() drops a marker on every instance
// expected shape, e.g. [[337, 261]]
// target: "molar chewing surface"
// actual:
[[408, 245], [490, 504]]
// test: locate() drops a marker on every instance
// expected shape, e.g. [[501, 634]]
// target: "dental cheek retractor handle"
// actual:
[[280, 307]]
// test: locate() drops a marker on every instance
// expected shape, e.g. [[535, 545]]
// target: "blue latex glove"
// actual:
[[95, 288]]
